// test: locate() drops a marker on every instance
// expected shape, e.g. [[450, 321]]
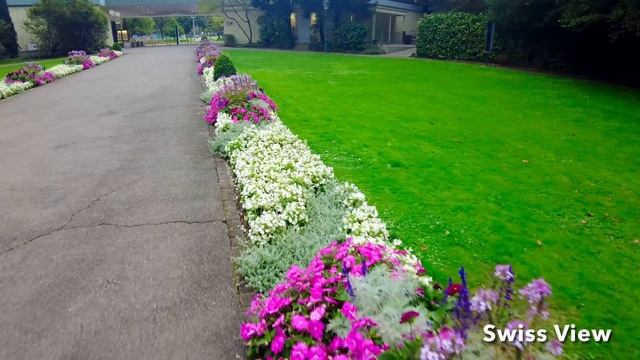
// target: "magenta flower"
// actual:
[[317, 313], [277, 344], [299, 322], [299, 351], [349, 311], [250, 330], [316, 330], [409, 316]]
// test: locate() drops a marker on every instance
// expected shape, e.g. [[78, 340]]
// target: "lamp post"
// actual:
[[325, 5], [193, 28]]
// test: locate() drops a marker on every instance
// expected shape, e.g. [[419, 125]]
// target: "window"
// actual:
[[294, 22]]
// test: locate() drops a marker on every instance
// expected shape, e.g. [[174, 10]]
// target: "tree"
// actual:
[[171, 25], [236, 11], [8, 37], [64, 25], [215, 24], [140, 26]]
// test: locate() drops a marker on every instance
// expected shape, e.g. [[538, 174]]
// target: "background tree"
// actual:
[[215, 24], [170, 26], [236, 11], [8, 37], [187, 23], [140, 26], [64, 25]]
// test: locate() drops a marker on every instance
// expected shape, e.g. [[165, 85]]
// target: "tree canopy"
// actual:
[[140, 26], [64, 25], [8, 37]]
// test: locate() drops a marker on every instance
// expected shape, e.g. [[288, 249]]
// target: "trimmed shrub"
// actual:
[[350, 37], [454, 35], [230, 40], [275, 32], [224, 67], [116, 46]]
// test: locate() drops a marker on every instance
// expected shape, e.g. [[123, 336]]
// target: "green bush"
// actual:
[[275, 32], [230, 40], [350, 37], [454, 35], [223, 67], [116, 47]]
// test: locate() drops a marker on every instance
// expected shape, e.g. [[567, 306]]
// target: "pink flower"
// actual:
[[299, 351], [278, 341], [316, 353], [299, 323], [250, 330], [317, 313], [349, 310], [316, 330]]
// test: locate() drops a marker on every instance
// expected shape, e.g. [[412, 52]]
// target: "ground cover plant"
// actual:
[[473, 165]]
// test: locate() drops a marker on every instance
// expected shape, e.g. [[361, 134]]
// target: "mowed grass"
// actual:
[[475, 165], [7, 67]]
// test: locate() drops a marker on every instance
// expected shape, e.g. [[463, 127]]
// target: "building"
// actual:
[[391, 21], [18, 12]]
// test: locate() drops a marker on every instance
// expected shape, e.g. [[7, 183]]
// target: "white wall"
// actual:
[[18, 16], [231, 27]]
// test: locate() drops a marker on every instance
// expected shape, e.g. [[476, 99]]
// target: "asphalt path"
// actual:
[[112, 236]]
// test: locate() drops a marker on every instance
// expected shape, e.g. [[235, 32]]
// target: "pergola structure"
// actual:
[[141, 8]]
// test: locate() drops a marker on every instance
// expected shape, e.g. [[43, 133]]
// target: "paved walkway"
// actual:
[[112, 237]]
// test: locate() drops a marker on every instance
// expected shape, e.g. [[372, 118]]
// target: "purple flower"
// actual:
[[504, 272], [484, 300], [554, 347], [536, 290]]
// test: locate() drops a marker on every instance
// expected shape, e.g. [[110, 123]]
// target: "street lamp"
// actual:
[[325, 5], [193, 28]]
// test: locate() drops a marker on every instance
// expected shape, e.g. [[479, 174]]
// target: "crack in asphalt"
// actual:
[[188, 222], [63, 226]]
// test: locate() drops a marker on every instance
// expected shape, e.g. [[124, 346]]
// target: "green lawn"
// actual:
[[7, 67], [474, 165]]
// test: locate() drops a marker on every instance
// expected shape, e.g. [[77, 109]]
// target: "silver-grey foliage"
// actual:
[[264, 266]]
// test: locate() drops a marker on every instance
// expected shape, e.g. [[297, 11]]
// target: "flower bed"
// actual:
[[332, 284], [32, 74]]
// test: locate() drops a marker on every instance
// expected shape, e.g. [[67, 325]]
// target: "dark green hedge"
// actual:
[[275, 32], [350, 37], [454, 35]]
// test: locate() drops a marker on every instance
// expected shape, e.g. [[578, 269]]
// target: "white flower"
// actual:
[[7, 90], [276, 174], [63, 70], [207, 77], [98, 59]]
